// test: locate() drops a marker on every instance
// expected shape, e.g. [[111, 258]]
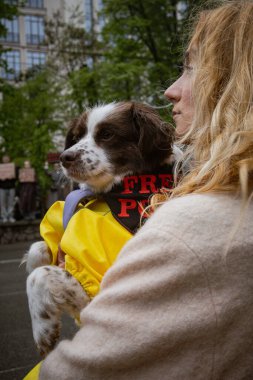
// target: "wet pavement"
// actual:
[[17, 349]]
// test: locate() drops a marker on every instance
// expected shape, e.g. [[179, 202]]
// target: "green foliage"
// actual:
[[28, 120], [142, 46], [69, 49], [68, 43], [84, 88]]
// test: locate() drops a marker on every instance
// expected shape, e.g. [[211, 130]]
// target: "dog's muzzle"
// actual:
[[69, 158]]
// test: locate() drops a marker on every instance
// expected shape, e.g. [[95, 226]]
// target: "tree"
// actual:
[[29, 117], [143, 47], [71, 53], [68, 43]]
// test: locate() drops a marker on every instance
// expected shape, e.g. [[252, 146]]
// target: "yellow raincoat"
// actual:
[[91, 241]]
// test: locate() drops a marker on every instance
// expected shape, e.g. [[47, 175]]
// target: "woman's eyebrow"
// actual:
[[189, 56]]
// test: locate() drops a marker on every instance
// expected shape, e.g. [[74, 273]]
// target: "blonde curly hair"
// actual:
[[220, 139]]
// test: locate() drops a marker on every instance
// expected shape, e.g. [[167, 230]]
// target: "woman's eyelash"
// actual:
[[184, 68], [188, 67]]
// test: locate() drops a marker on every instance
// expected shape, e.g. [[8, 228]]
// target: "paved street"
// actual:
[[17, 349]]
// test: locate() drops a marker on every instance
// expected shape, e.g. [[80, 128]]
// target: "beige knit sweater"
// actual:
[[174, 305]]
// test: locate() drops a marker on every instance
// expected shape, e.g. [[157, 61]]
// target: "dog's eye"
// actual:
[[106, 135]]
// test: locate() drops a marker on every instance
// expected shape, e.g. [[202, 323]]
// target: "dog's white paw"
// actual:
[[44, 315], [37, 256], [51, 291]]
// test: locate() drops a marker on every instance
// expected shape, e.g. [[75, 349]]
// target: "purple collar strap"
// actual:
[[72, 201]]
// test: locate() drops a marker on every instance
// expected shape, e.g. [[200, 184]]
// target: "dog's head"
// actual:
[[111, 141]]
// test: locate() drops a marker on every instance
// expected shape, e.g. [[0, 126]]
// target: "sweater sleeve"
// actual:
[[153, 318]]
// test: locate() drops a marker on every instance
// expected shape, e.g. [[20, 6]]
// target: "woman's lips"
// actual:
[[175, 114]]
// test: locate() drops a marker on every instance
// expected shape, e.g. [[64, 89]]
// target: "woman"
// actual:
[[178, 303], [27, 191]]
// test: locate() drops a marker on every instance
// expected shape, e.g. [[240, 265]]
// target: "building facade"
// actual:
[[26, 33]]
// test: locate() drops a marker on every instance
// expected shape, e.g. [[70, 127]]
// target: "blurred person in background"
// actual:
[[60, 186], [27, 191], [7, 189]]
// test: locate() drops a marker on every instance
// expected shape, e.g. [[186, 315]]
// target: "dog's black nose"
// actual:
[[68, 158]]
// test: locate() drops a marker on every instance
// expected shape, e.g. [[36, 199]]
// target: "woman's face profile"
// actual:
[[180, 95]]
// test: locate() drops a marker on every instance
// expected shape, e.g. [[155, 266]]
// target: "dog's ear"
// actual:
[[156, 137], [76, 130]]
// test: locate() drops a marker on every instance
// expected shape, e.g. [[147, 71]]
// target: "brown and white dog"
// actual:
[[103, 145], [111, 141]]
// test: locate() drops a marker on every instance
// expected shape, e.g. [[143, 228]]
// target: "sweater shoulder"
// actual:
[[197, 218], [198, 207], [202, 203]]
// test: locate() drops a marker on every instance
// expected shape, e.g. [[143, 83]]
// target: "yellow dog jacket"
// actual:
[[98, 230], [91, 241]]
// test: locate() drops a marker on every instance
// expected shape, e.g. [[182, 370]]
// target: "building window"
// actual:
[[12, 58], [12, 26], [35, 58], [34, 27], [34, 3], [11, 2]]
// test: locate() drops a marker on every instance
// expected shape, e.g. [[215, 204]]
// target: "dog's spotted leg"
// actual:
[[52, 291], [37, 256]]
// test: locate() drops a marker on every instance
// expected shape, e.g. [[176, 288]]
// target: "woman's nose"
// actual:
[[173, 93]]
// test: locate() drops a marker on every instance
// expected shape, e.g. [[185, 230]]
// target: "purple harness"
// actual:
[[72, 201]]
